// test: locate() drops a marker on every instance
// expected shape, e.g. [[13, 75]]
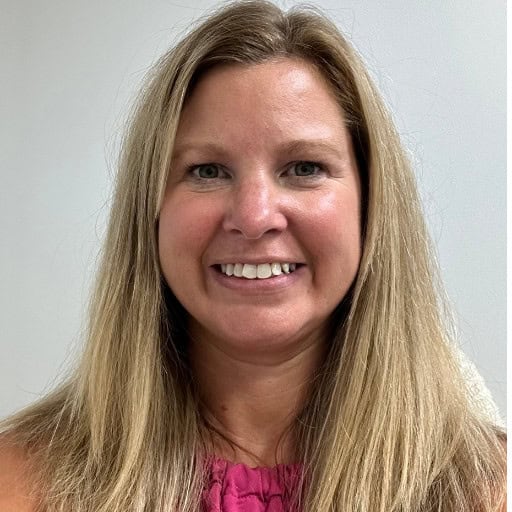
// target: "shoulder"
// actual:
[[16, 476]]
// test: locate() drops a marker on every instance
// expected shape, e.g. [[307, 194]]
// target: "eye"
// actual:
[[303, 170], [207, 172]]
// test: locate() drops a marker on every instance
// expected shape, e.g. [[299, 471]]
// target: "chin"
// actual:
[[270, 339]]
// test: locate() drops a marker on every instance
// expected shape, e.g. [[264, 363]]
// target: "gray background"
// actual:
[[69, 72]]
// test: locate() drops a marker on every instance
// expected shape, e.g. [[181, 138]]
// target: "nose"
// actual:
[[255, 207]]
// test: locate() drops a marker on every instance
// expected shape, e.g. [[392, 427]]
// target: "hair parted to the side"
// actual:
[[388, 426]]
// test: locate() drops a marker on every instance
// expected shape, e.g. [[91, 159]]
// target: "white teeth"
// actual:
[[249, 271], [238, 269], [261, 271], [276, 269]]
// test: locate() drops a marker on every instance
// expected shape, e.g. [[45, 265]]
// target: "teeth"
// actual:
[[238, 270], [250, 271], [276, 269], [261, 271]]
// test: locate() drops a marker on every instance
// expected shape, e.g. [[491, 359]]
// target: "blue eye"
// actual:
[[206, 171], [306, 169]]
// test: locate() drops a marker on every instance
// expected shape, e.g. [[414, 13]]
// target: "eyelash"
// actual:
[[194, 169], [319, 169]]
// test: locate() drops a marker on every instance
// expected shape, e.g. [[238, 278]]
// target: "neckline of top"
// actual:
[[215, 460]]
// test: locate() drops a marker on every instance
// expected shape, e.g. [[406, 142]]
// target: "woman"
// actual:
[[267, 297]]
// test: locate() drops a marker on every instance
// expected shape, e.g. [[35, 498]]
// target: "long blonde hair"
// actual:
[[388, 427]]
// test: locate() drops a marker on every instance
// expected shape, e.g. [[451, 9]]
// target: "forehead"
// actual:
[[262, 102], [293, 72]]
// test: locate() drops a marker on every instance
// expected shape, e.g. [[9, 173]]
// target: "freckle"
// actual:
[[224, 408]]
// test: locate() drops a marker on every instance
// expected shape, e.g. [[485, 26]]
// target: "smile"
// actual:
[[260, 271]]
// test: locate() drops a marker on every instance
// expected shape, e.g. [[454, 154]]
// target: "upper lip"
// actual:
[[256, 260]]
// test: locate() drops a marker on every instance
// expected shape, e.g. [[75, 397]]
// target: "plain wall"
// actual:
[[69, 72]]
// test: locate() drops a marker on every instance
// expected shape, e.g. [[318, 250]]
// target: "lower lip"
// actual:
[[270, 284]]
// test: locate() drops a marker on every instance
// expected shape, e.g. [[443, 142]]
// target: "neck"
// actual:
[[250, 405]]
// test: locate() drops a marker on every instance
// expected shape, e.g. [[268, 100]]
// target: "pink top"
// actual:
[[238, 488]]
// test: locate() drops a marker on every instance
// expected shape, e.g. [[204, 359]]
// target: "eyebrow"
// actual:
[[297, 146], [289, 147], [210, 147]]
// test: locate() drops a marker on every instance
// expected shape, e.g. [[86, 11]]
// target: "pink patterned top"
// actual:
[[238, 488]]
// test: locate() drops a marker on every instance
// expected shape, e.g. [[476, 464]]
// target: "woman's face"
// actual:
[[259, 232]]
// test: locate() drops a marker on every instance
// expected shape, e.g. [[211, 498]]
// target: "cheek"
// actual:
[[184, 230], [336, 224], [337, 246]]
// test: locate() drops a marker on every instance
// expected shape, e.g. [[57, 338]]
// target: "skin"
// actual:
[[255, 344], [252, 366], [16, 489]]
